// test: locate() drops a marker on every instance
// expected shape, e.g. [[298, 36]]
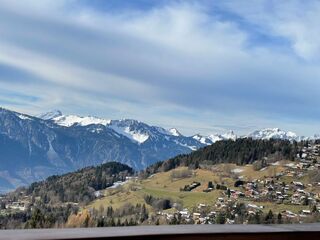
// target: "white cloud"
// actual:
[[296, 21], [176, 62]]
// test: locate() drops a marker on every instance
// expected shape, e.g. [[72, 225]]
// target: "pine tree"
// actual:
[[109, 212], [86, 221], [37, 219], [144, 213], [118, 222], [131, 222], [126, 222], [220, 219], [228, 193], [100, 222], [279, 218], [157, 221], [269, 218]]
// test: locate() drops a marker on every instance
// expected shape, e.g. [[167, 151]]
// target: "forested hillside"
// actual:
[[49, 203], [241, 151], [79, 186]]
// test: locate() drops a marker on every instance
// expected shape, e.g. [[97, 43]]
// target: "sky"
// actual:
[[200, 66]]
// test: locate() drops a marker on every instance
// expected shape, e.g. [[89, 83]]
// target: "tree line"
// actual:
[[241, 151]]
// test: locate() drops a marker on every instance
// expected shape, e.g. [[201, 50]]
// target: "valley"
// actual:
[[271, 189]]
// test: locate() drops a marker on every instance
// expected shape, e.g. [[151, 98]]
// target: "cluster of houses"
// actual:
[[208, 214], [268, 189], [309, 157], [9, 204], [19, 205]]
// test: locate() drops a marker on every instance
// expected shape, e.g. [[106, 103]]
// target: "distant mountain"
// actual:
[[273, 133], [266, 133], [175, 132], [71, 120], [50, 115], [32, 148], [208, 140]]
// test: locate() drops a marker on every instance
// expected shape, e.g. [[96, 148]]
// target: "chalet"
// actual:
[[17, 206], [185, 213], [298, 184], [306, 212], [221, 200], [254, 208], [301, 191], [229, 221], [289, 214], [196, 216], [201, 205]]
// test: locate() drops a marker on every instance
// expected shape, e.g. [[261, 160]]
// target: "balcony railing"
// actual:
[[183, 232]]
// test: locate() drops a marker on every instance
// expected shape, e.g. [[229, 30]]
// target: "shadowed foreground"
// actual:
[[259, 232]]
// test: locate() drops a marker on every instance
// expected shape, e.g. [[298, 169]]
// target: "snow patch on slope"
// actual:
[[70, 120], [215, 137], [229, 135], [23, 117], [202, 139], [174, 132], [50, 115], [208, 140], [133, 135]]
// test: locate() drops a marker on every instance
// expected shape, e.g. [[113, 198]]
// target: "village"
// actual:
[[290, 193], [246, 196]]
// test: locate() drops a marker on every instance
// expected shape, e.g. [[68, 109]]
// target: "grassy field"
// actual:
[[162, 185], [276, 208], [187, 199]]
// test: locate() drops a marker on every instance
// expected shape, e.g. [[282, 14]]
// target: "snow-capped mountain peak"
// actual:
[[229, 135], [50, 115], [174, 132], [132, 129], [215, 137], [316, 136], [273, 133], [140, 132], [202, 139], [70, 120]]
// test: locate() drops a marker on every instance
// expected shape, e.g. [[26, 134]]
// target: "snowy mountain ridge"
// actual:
[[50, 115], [140, 132], [269, 133]]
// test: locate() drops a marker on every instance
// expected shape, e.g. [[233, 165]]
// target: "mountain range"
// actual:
[[34, 147]]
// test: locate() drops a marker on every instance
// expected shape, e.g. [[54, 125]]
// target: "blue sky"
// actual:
[[201, 66]]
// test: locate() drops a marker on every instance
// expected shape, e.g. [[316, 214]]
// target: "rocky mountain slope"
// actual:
[[33, 148]]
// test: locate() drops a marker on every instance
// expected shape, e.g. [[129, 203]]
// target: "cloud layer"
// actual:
[[196, 65]]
